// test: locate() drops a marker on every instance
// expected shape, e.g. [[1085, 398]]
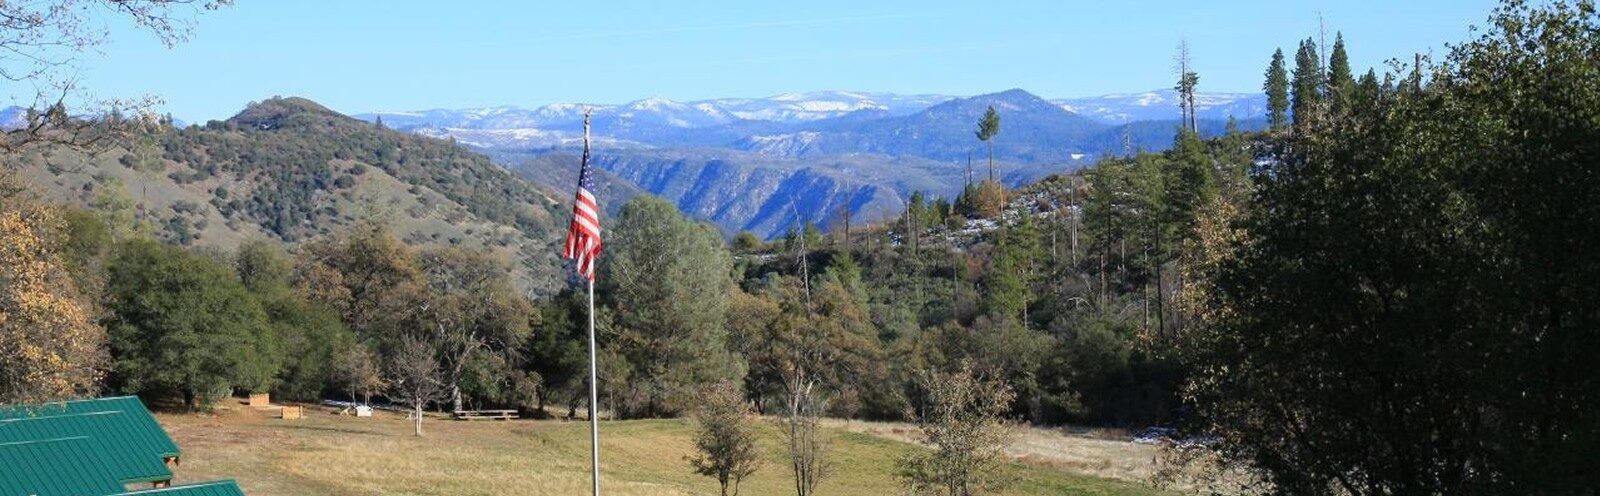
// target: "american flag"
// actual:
[[583, 236]]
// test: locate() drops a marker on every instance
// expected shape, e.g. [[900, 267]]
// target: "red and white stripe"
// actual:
[[583, 237]]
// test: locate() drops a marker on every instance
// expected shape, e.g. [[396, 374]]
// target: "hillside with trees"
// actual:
[[1389, 291], [291, 170]]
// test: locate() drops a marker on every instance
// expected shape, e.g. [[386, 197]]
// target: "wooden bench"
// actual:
[[484, 415]]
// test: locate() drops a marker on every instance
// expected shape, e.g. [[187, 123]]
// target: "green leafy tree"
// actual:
[[182, 322], [746, 242], [311, 335], [1277, 90], [667, 278], [963, 420], [369, 277], [557, 350], [474, 314], [725, 435]]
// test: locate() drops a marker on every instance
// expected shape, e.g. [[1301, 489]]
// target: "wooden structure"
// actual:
[[259, 400], [484, 415]]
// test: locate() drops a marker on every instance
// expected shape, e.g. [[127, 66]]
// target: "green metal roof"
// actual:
[[128, 458], [137, 424], [214, 488], [55, 467]]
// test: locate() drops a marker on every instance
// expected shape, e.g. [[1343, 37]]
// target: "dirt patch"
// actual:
[[1100, 452]]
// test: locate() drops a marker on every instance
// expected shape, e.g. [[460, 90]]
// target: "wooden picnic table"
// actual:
[[484, 415]]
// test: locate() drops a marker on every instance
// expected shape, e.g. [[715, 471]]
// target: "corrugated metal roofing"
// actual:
[[55, 467], [138, 424], [214, 488], [128, 458]]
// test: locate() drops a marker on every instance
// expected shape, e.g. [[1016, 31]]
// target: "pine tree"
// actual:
[[1307, 82], [988, 128], [1277, 89], [1187, 80], [1340, 81]]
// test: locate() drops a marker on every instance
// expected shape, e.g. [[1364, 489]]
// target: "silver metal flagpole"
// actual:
[[594, 391], [594, 417]]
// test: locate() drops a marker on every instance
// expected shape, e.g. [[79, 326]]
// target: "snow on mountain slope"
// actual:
[[787, 108], [802, 107], [13, 117], [523, 138], [1163, 105]]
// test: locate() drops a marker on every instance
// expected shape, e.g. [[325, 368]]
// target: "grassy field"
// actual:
[[334, 455]]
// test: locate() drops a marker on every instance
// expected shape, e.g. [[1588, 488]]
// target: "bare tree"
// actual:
[[40, 42], [806, 354], [414, 376], [726, 437], [356, 369], [962, 421], [802, 429]]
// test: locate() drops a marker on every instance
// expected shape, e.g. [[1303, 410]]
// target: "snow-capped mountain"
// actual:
[[787, 108], [800, 107], [13, 117], [523, 138], [1163, 105], [741, 162], [826, 123]]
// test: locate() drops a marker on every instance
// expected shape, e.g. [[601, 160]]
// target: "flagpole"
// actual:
[[594, 418], [594, 391]]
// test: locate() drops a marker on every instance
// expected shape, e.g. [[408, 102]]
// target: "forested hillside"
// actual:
[[289, 169]]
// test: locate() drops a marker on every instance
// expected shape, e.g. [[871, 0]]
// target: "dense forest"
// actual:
[[1390, 291]]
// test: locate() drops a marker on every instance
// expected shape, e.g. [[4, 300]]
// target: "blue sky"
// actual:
[[357, 55]]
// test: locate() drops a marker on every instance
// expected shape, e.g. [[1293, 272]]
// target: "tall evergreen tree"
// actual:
[[1307, 83], [1277, 89], [1340, 80], [988, 128], [1187, 81]]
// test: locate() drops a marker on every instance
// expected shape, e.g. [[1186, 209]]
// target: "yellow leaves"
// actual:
[[50, 348], [1217, 236]]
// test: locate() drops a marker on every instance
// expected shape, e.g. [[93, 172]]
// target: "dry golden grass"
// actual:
[[1101, 453], [334, 455]]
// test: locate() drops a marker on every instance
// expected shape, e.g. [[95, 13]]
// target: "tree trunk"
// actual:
[[1161, 294], [1073, 194], [455, 397], [416, 414], [990, 142]]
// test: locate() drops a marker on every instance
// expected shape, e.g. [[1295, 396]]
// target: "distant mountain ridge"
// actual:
[[758, 164], [833, 122], [782, 108], [1163, 105], [734, 161]]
